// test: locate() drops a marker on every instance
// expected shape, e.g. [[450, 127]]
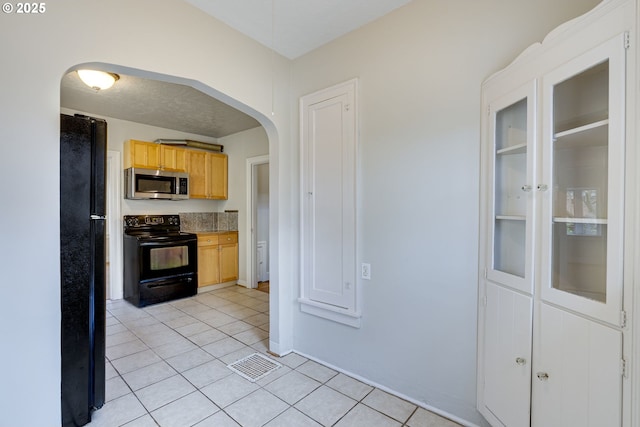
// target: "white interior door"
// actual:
[[328, 214], [255, 218]]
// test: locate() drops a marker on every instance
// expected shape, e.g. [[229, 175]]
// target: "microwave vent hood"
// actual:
[[154, 184]]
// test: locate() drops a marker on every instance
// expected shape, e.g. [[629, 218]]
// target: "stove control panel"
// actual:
[[151, 221]]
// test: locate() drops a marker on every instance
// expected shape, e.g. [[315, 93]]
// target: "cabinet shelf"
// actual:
[[514, 149], [511, 217], [580, 220], [590, 135]]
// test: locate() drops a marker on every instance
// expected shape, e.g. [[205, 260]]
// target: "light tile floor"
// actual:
[[167, 366]]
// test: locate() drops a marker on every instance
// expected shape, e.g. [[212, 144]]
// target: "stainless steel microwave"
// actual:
[[155, 184]]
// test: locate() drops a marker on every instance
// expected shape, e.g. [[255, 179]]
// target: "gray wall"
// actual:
[[420, 70]]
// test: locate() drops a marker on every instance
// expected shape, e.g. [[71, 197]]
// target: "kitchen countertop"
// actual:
[[207, 222]]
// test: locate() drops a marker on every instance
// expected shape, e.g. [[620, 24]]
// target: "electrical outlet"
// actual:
[[365, 271]]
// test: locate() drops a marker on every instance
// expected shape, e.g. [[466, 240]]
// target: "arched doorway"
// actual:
[[118, 205]]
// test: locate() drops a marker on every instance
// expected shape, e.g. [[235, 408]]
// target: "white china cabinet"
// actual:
[[552, 312]]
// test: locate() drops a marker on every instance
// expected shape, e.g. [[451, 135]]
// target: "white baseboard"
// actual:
[[216, 286], [274, 349]]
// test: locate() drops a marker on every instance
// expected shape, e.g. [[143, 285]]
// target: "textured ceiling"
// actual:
[[156, 103], [290, 27]]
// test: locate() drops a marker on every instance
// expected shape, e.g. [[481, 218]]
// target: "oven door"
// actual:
[[164, 256]]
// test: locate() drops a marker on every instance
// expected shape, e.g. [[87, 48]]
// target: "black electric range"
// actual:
[[160, 261]]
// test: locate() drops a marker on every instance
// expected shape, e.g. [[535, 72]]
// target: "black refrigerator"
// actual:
[[83, 142]]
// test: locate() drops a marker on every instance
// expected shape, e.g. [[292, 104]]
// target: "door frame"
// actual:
[[252, 207], [114, 224]]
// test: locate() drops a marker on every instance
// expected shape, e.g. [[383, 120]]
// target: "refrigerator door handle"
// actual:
[[97, 217]]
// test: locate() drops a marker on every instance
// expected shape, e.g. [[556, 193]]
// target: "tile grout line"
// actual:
[[197, 389], [130, 321]]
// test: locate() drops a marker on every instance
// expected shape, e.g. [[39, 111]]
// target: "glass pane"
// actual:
[[511, 126], [580, 183], [582, 99], [509, 246], [511, 176], [580, 261], [168, 258], [510, 201]]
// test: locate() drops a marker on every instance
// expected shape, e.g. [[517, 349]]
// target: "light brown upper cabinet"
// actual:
[[149, 155], [207, 174]]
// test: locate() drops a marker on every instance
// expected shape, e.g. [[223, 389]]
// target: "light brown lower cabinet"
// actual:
[[217, 257]]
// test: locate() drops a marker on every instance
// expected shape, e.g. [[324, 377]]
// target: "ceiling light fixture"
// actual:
[[98, 80]]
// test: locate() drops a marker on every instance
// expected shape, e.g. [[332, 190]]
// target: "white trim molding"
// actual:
[[329, 284], [251, 220]]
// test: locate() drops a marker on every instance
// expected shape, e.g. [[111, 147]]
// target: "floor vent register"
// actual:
[[254, 367]]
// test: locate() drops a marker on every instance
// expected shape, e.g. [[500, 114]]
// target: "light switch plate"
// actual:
[[365, 271]]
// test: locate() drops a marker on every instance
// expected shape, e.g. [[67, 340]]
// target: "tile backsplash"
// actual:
[[209, 221]]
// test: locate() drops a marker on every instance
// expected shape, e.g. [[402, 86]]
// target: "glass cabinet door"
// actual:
[[513, 133], [582, 184]]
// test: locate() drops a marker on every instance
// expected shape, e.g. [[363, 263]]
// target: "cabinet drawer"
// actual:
[[228, 238], [207, 239]]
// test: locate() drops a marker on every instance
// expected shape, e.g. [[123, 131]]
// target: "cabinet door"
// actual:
[[197, 168], [577, 380], [217, 168], [228, 262], [207, 175], [583, 183], [208, 265], [142, 154], [511, 144], [506, 357], [173, 158]]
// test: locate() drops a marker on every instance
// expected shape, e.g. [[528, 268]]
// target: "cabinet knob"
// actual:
[[542, 376], [543, 187], [526, 188], [521, 361]]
